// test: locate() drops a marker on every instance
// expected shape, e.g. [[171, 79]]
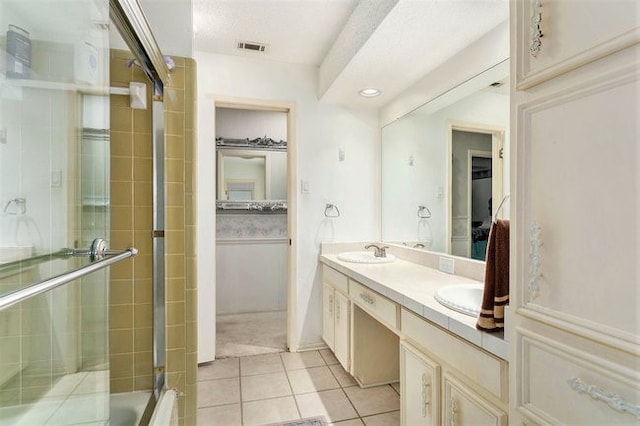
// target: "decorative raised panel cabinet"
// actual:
[[576, 169], [553, 37]]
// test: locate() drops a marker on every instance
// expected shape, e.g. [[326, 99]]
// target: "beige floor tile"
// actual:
[[297, 360], [312, 380], [396, 387], [345, 379], [332, 404], [265, 386], [227, 415], [329, 357], [223, 368], [260, 364], [352, 422], [218, 392], [269, 411], [386, 419], [376, 400]]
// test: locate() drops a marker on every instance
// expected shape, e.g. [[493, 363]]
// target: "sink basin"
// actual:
[[463, 298], [364, 257]]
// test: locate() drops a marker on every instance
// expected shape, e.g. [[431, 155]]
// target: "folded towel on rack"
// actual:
[[496, 279]]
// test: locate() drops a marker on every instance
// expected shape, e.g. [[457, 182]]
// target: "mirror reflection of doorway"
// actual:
[[476, 180], [480, 202]]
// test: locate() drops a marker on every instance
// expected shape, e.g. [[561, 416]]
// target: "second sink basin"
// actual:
[[463, 298], [364, 257]]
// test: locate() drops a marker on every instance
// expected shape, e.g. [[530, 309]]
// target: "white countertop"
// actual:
[[413, 286]]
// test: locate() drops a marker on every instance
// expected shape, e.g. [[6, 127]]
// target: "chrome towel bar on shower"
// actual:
[[109, 257]]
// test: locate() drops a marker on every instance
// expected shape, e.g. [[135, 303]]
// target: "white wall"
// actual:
[[321, 130], [242, 123]]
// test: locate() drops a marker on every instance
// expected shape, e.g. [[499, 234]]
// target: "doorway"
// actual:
[[253, 228], [475, 180]]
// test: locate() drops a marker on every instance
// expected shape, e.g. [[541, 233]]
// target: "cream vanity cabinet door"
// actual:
[[419, 388], [576, 217], [327, 315], [335, 313], [341, 329], [556, 36], [461, 406]]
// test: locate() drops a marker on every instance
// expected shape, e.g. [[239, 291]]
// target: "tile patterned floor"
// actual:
[[262, 389]]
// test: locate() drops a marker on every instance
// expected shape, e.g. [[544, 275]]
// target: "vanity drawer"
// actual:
[[484, 369], [377, 305], [334, 278], [606, 393]]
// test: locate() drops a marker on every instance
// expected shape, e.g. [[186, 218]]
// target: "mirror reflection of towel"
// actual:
[[496, 279]]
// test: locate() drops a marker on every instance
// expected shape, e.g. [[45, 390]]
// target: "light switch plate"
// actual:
[[447, 265], [304, 186]]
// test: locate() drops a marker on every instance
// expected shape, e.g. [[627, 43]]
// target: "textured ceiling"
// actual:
[[295, 31], [387, 44]]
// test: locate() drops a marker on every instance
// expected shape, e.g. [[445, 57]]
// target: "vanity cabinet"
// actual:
[[553, 37], [328, 321], [375, 353], [575, 216], [419, 388], [336, 315], [445, 380], [342, 317], [462, 406]]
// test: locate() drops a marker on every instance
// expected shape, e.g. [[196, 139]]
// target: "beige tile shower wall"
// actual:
[[180, 237], [132, 213], [130, 289]]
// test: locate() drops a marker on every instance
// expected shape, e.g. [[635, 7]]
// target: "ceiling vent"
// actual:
[[255, 47]]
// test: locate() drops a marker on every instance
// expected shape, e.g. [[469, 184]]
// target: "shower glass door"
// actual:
[[54, 197]]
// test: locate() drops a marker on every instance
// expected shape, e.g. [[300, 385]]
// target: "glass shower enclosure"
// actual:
[[54, 212]]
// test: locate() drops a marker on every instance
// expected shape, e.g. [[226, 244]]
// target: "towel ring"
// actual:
[[329, 208], [422, 214], [500, 206]]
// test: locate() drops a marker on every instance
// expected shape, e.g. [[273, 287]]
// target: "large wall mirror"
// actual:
[[445, 168], [252, 174]]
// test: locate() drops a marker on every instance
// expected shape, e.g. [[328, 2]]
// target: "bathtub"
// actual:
[[132, 408]]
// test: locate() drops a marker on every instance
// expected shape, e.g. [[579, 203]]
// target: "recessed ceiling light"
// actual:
[[369, 92]]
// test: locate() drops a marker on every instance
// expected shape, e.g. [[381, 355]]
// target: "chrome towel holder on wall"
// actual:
[[424, 212], [331, 210]]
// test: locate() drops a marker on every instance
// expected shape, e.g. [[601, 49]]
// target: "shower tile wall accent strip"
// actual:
[[132, 213]]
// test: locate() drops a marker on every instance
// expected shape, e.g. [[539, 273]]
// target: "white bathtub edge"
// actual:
[[166, 412]]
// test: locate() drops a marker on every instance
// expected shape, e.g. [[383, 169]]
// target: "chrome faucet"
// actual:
[[380, 251]]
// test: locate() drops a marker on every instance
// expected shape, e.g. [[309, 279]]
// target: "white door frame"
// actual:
[[206, 352]]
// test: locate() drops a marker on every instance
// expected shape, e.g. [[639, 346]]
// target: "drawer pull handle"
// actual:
[[331, 303], [536, 32], [367, 299], [425, 400], [611, 399], [535, 274], [452, 414]]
